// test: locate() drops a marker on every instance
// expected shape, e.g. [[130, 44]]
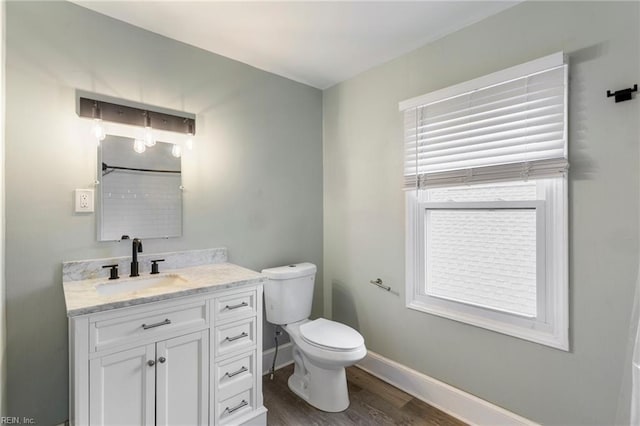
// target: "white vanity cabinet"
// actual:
[[155, 384], [193, 360]]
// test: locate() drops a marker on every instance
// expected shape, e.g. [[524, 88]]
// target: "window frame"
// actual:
[[550, 326]]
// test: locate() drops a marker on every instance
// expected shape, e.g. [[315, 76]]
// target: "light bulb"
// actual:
[[176, 151], [149, 140], [98, 130], [189, 142], [139, 146]]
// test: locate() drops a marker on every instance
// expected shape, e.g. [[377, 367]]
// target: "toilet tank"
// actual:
[[288, 292]]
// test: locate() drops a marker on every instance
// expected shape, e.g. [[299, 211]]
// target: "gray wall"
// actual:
[[364, 211], [243, 191]]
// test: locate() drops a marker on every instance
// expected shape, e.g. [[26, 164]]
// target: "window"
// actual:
[[485, 174]]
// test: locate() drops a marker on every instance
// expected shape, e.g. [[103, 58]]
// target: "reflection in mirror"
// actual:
[[139, 194]]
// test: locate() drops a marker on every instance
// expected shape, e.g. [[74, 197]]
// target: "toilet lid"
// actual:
[[331, 334]]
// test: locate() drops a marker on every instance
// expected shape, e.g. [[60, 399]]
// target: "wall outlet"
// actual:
[[84, 200]]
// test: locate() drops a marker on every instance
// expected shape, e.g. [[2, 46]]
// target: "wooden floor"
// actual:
[[373, 402]]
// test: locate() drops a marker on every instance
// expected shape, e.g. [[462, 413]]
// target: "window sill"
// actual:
[[533, 332]]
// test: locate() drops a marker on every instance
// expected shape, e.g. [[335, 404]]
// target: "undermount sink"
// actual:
[[142, 283]]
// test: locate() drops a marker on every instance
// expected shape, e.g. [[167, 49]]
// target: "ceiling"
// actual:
[[317, 43]]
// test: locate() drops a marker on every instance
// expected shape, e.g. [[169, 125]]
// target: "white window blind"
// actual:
[[507, 125]]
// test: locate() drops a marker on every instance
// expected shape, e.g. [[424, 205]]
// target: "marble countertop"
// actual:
[[82, 296]]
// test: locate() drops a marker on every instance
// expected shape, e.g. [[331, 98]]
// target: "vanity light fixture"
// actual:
[[139, 146], [176, 150], [149, 140], [145, 124], [97, 129], [189, 142]]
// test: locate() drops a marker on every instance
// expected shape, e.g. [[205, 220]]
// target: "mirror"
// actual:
[[140, 194]]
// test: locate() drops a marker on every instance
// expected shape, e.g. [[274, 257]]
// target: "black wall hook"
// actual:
[[624, 94]]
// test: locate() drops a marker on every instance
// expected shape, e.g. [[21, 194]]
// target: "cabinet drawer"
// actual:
[[235, 336], [235, 305], [109, 332], [235, 406], [234, 375]]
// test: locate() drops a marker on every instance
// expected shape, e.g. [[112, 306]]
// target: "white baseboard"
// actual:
[[285, 357], [462, 405]]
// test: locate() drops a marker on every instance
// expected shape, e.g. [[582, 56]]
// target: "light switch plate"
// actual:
[[84, 200]]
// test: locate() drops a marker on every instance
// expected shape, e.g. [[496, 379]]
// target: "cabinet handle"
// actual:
[[239, 305], [161, 360], [158, 324], [151, 363], [239, 336], [235, 373], [236, 408]]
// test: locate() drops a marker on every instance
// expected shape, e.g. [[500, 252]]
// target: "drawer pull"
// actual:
[[237, 407], [158, 324], [239, 336], [239, 305], [235, 373]]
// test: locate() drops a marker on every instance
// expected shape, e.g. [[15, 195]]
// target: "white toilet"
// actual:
[[321, 348]]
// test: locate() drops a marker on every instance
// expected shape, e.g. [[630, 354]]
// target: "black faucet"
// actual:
[[136, 248]]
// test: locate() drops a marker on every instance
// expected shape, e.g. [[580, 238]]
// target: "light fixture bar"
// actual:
[[136, 116]]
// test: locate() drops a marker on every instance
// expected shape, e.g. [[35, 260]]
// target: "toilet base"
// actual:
[[325, 389]]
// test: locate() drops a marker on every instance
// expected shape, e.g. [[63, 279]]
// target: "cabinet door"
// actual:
[[182, 380], [122, 388]]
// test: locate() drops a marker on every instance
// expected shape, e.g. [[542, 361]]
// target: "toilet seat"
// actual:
[[330, 335]]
